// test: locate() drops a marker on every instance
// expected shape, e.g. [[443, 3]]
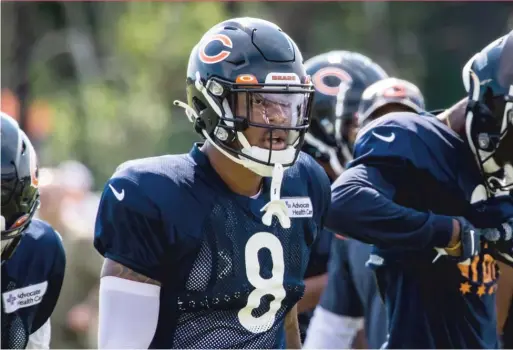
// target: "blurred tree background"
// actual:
[[95, 81]]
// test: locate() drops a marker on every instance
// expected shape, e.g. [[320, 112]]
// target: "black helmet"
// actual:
[[20, 195], [488, 79], [339, 78], [389, 91], [246, 72]]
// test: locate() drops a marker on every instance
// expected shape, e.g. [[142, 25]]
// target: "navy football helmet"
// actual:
[[488, 79], [20, 194], [339, 78], [247, 73], [389, 91]]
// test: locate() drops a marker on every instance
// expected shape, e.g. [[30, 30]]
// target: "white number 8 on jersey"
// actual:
[[272, 286]]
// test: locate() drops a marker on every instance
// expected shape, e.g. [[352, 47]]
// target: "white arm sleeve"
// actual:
[[328, 330], [128, 313], [40, 339]]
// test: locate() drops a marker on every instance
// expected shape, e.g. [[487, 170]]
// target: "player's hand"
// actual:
[[465, 242], [502, 240], [503, 233], [470, 241]]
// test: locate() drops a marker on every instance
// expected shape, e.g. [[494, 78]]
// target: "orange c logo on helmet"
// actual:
[[321, 74], [221, 56]]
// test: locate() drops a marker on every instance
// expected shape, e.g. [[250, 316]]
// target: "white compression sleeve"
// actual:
[[128, 313], [40, 339], [328, 330]]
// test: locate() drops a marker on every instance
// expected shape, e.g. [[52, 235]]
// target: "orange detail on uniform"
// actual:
[[339, 236], [246, 79], [395, 91], [20, 221], [34, 180]]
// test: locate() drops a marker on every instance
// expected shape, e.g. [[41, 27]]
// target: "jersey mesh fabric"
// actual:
[[218, 287], [15, 332]]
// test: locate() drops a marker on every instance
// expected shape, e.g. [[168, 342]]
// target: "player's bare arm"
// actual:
[[293, 338], [313, 290], [504, 294], [115, 269]]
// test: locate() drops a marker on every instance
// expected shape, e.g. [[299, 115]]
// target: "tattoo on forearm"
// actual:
[[112, 268]]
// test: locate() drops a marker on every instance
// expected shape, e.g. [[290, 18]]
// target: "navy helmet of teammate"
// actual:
[[389, 95], [339, 78], [431, 195], [351, 301], [488, 79], [209, 249], [33, 259]]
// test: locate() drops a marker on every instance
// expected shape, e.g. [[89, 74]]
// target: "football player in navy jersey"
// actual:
[[351, 300], [33, 259], [209, 249], [432, 196], [339, 78]]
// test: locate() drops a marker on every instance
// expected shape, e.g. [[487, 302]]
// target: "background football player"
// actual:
[[351, 296], [340, 77], [434, 200], [209, 249], [33, 259]]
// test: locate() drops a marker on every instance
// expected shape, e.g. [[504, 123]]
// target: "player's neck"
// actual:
[[238, 178], [454, 117]]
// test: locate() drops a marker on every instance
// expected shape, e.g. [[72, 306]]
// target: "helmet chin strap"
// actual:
[[276, 207]]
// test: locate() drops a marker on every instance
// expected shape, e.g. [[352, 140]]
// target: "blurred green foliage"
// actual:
[[111, 70]]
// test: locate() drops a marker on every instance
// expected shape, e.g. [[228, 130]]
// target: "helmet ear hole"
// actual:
[[199, 106]]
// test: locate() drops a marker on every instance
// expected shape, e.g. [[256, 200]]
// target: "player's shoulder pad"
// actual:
[[308, 165], [148, 184], [311, 170], [41, 238], [398, 135]]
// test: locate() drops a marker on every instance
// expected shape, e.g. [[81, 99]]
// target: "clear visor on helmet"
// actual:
[[281, 114]]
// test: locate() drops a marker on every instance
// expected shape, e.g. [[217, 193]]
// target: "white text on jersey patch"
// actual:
[[299, 207], [24, 297]]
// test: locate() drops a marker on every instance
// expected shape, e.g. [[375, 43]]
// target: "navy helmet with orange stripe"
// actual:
[[387, 92], [339, 78], [246, 76], [488, 79], [20, 194]]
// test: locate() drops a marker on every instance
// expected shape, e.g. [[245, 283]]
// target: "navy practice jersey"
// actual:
[[352, 291], [31, 283], [410, 176], [317, 265], [227, 279]]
